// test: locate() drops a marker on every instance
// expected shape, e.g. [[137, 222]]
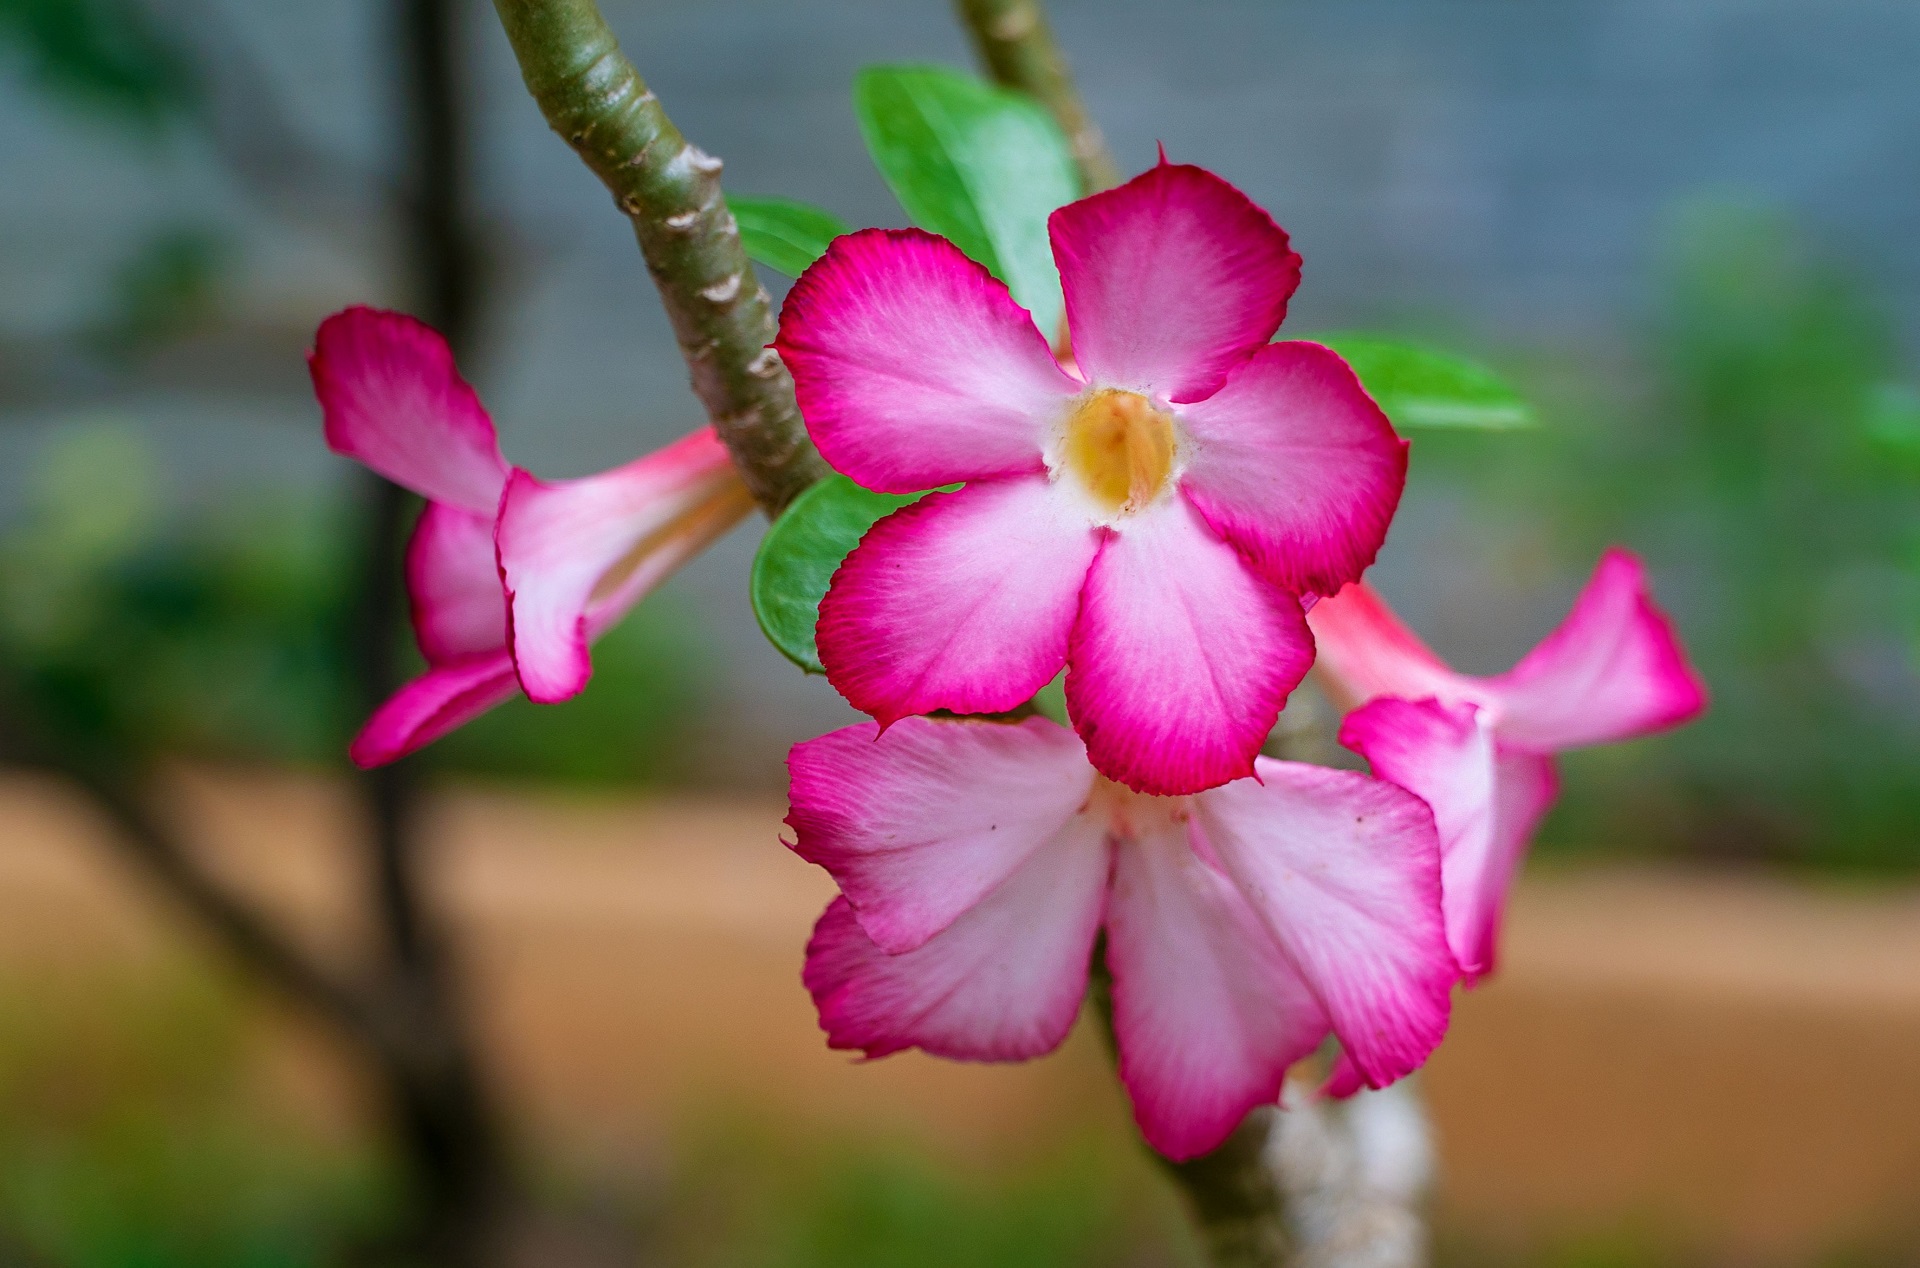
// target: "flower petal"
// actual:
[[1444, 754], [913, 365], [1366, 651], [445, 697], [1001, 983], [1612, 670], [918, 824], [577, 554], [1524, 788], [1345, 870], [961, 601], [1181, 658], [1293, 463], [459, 605], [1208, 1013], [393, 399], [1170, 280]]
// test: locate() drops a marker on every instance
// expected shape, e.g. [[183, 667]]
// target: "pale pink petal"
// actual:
[[445, 697], [1001, 983], [459, 605], [1181, 658], [392, 399], [1366, 651], [913, 365], [1612, 670], [1444, 754], [918, 824], [577, 554], [961, 601], [1208, 1013], [1345, 871], [1524, 786], [1292, 462], [1170, 280]]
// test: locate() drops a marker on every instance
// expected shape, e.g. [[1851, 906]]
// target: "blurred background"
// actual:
[[1684, 227]]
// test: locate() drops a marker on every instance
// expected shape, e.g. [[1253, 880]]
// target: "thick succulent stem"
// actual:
[[670, 189], [1017, 47]]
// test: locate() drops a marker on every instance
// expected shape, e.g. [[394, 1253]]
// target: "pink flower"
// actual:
[[1147, 516], [978, 862], [511, 578], [1479, 750]]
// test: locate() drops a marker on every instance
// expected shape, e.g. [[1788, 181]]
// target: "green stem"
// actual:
[[1017, 47], [670, 189], [1233, 1192]]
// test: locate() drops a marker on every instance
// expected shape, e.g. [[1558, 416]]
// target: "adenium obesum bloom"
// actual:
[[1147, 514], [978, 863], [511, 578], [1480, 750]]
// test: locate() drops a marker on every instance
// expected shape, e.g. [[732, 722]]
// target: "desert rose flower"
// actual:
[[1480, 750], [511, 578], [1147, 514], [979, 861]]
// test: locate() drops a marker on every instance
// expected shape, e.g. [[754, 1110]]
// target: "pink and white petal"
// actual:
[[914, 367], [1292, 462], [459, 605], [1208, 1013], [1524, 787], [1170, 281], [918, 824], [960, 601], [1366, 651], [1444, 754], [1345, 871], [569, 547], [1002, 983], [1181, 658], [445, 697], [392, 398], [1343, 1081], [1612, 670]]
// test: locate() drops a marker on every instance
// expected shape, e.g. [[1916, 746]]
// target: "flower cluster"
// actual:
[[1174, 511]]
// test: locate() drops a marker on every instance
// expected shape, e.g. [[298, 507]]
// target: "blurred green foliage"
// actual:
[[106, 55], [1751, 452], [753, 1199], [130, 1138], [223, 632]]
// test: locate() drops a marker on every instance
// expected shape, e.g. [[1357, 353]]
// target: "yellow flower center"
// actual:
[[1121, 449]]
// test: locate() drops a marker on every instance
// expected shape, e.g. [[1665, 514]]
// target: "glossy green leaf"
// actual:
[[976, 164], [798, 556], [782, 234], [1421, 387]]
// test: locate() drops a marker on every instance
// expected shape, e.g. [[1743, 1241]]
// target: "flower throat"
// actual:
[[1120, 448]]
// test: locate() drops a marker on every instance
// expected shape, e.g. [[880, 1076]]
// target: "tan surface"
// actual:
[[1736, 1060]]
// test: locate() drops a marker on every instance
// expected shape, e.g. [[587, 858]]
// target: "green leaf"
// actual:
[[798, 556], [979, 165], [782, 234], [1422, 387], [1892, 418]]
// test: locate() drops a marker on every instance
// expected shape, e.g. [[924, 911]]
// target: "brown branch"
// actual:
[[1017, 47], [670, 189]]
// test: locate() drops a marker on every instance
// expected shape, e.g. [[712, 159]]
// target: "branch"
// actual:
[[147, 839], [593, 97], [1015, 43]]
